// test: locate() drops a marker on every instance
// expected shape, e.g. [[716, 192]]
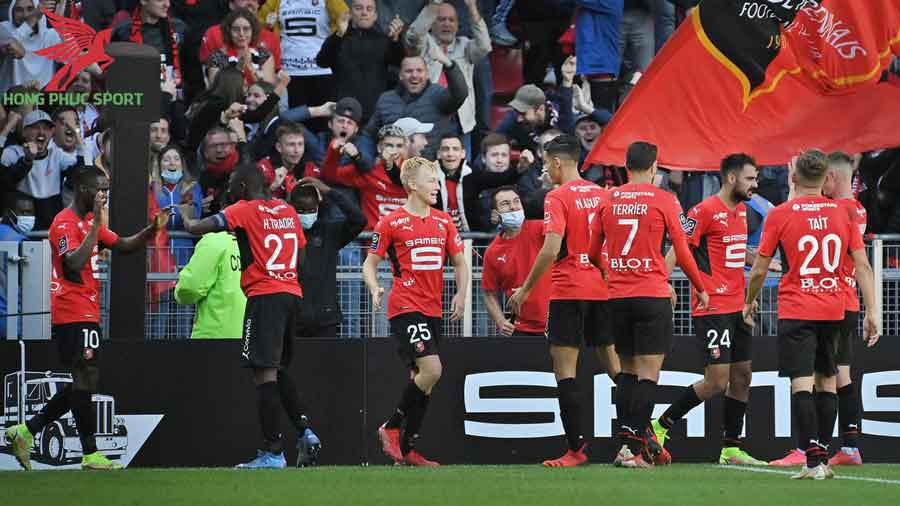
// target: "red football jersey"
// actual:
[[378, 194], [568, 211], [75, 296], [634, 221], [507, 263], [813, 234], [718, 239], [859, 217], [274, 238], [417, 248]]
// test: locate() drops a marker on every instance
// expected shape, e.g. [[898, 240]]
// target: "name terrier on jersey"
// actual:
[[279, 223]]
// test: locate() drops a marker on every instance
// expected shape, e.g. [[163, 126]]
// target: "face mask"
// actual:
[[172, 176], [512, 219], [25, 224], [308, 220]]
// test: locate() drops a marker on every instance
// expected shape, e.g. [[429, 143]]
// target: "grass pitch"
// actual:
[[597, 485]]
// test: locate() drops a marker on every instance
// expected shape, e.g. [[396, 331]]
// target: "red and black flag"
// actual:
[[769, 78]]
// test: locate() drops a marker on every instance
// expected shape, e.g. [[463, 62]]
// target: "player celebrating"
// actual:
[[76, 236], [417, 238], [508, 261], [271, 241], [578, 314], [633, 222], [717, 233], [813, 233]]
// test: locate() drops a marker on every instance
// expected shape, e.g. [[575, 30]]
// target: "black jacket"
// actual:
[[318, 274], [359, 61]]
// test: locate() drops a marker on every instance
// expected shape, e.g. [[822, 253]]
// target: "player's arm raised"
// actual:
[[214, 223], [543, 261], [461, 272], [133, 242], [74, 260]]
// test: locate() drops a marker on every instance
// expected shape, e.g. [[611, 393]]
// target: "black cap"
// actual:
[[349, 107]]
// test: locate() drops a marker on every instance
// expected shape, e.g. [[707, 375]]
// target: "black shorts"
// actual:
[[724, 338], [416, 336], [78, 343], [642, 325], [578, 323], [849, 334], [807, 347], [269, 328]]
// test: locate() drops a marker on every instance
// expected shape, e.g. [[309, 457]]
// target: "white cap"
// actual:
[[412, 126]]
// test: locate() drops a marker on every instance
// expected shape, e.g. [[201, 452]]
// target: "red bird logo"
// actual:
[[80, 47]]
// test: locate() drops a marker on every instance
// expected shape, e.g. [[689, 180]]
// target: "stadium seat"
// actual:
[[506, 64]]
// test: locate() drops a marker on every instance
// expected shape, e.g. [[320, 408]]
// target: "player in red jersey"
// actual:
[[381, 191], [839, 186], [633, 223], [813, 234], [717, 233], [76, 236], [506, 263], [271, 241], [417, 239], [578, 314]]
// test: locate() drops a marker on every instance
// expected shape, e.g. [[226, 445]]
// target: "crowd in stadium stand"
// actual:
[[344, 91]]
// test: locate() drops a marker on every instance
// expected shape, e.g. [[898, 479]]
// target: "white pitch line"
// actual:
[[789, 473]]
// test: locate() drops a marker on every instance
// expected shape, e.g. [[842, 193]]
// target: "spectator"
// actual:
[[11, 50], [587, 130], [150, 24], [320, 313], [532, 112], [359, 55], [262, 133], [242, 49], [213, 39], [454, 169], [500, 33], [159, 138], [219, 157], [88, 114], [636, 44], [36, 169], [30, 29], [224, 102], [498, 171], [305, 24], [381, 191], [18, 220], [415, 131], [172, 185], [12, 127], [597, 44], [508, 261], [67, 135], [443, 39], [542, 26], [531, 187], [291, 146], [416, 97], [212, 281]]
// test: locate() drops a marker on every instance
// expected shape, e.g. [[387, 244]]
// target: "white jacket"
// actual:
[[31, 66], [464, 51]]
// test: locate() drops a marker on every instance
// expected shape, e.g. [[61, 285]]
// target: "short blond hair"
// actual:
[[410, 169]]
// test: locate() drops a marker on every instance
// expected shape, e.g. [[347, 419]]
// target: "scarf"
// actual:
[[225, 166], [137, 22]]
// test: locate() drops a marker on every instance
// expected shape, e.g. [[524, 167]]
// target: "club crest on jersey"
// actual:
[[375, 238], [688, 224]]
